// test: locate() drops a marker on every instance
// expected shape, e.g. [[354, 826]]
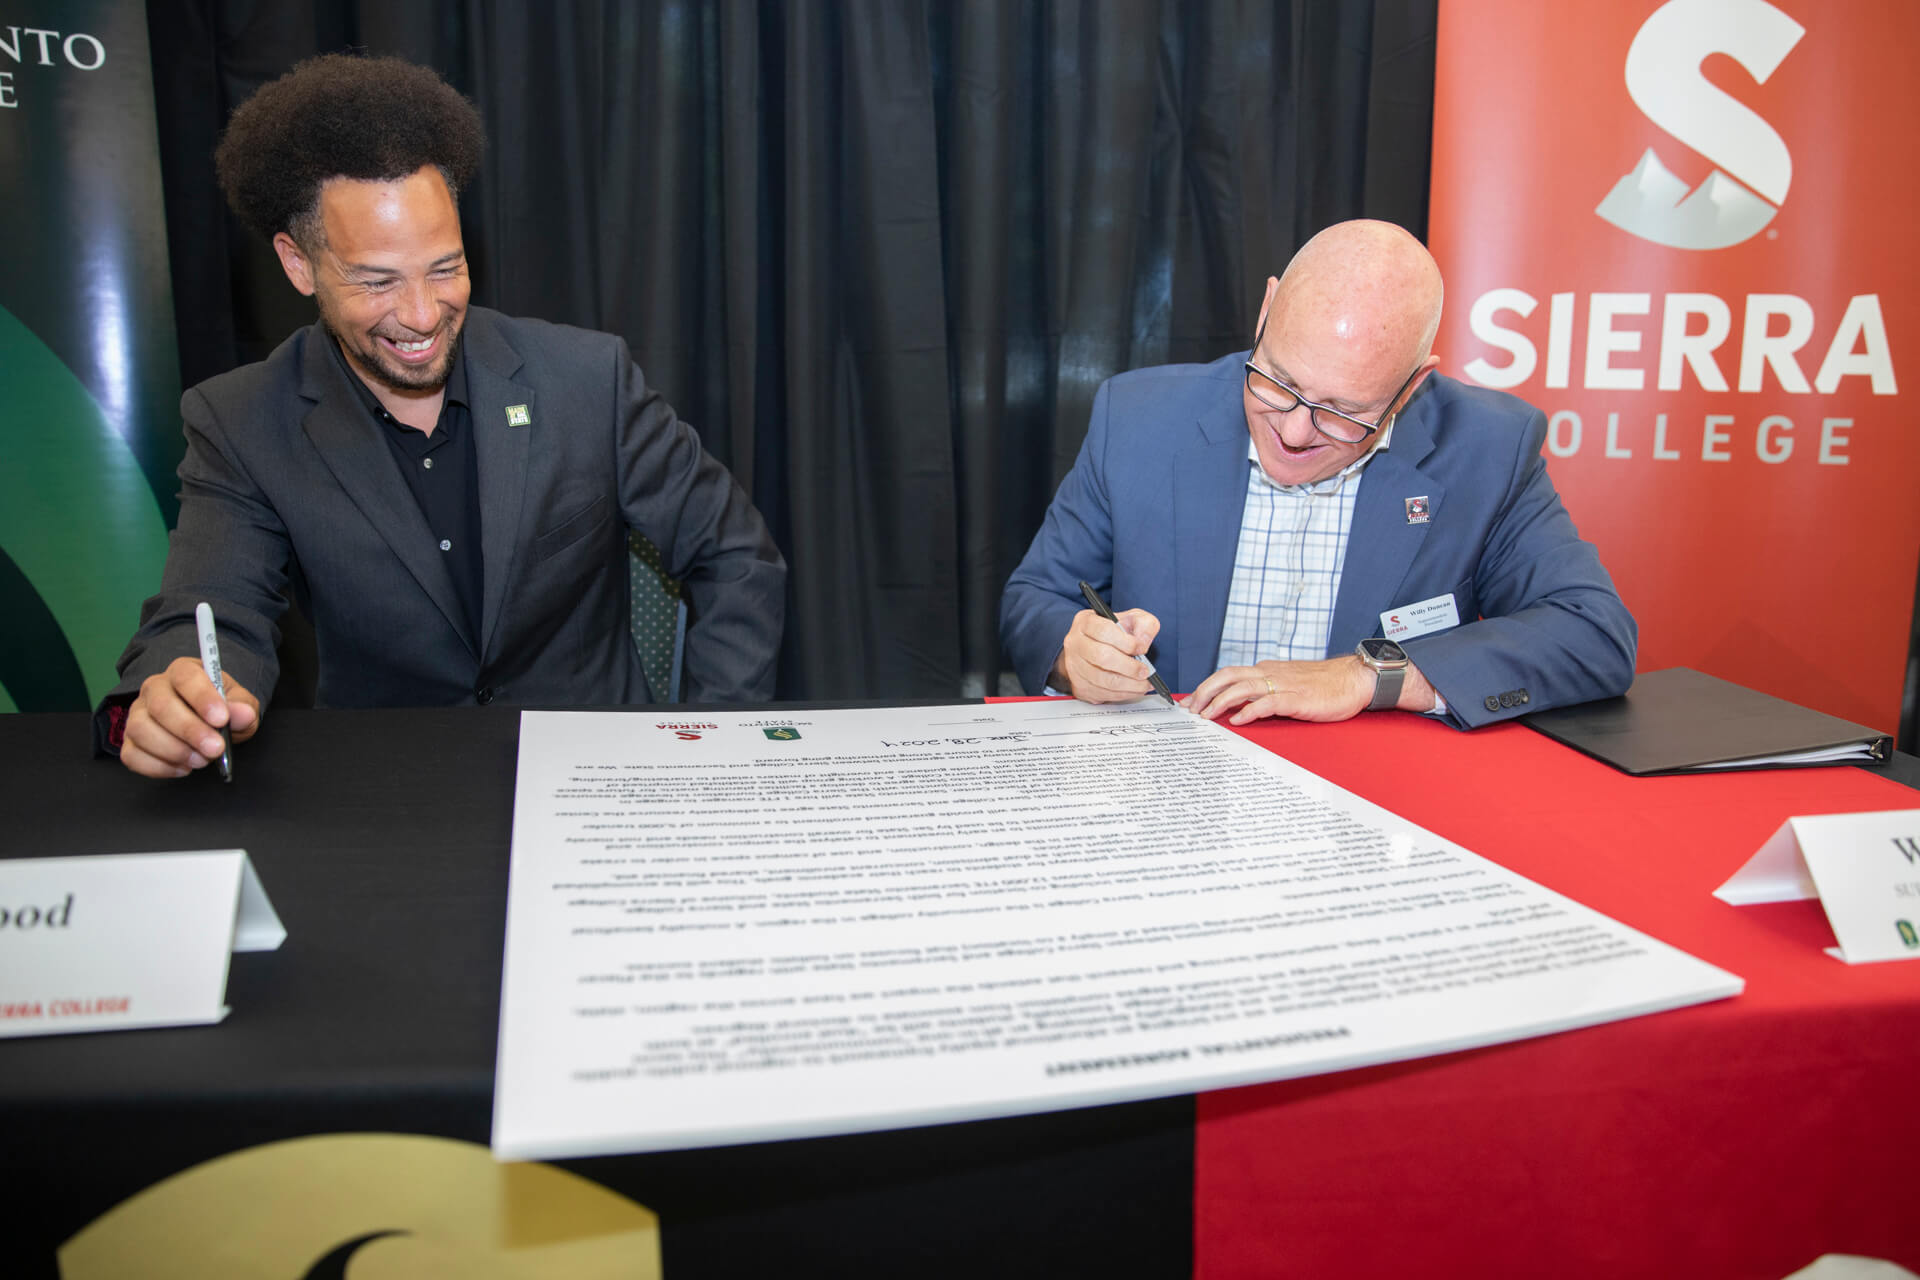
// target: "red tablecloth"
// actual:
[[1737, 1139]]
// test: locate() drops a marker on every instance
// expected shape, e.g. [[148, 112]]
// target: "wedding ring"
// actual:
[[1269, 680]]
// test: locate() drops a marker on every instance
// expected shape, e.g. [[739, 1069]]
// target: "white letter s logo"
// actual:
[[1664, 80]]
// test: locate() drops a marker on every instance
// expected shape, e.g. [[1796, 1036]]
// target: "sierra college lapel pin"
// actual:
[[517, 416], [1416, 508]]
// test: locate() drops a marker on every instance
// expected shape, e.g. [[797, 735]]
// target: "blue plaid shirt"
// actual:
[[1286, 569]]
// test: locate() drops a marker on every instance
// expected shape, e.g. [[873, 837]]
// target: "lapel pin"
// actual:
[[1416, 508], [517, 416]]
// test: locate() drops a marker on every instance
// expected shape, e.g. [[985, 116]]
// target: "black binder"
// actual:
[[1685, 721]]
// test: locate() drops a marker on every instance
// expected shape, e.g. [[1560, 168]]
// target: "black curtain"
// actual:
[[880, 252]]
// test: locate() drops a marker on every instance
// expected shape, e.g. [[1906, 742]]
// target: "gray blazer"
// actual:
[[287, 483]]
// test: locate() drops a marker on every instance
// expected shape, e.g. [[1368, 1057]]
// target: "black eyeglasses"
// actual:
[[1344, 427]]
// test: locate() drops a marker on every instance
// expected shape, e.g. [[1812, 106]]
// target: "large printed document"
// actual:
[[735, 926]]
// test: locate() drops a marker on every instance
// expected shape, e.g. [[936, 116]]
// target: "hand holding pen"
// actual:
[[1103, 658], [181, 722]]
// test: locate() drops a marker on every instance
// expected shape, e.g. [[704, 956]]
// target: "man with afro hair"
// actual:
[[446, 491]]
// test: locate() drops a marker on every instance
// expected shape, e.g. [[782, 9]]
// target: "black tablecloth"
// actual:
[[382, 839]]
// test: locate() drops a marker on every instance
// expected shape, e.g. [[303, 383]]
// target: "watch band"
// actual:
[[1386, 687], [1389, 672]]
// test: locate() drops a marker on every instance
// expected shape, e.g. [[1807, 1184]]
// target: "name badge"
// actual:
[[1436, 614]]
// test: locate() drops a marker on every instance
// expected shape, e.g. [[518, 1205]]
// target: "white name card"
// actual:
[[125, 940], [1864, 868]]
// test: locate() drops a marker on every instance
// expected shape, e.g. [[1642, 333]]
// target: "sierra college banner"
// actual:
[[89, 376], [1686, 232]]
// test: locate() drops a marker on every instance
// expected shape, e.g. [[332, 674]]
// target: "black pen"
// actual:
[[210, 660], [1099, 606]]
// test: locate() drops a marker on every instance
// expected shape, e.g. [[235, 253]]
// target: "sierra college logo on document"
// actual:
[[1665, 80]]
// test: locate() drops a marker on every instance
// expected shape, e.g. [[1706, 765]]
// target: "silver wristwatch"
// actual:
[[1389, 662]]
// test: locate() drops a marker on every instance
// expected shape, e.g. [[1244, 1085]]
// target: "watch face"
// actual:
[[1377, 650]]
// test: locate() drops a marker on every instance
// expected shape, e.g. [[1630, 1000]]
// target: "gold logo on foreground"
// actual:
[[373, 1205]]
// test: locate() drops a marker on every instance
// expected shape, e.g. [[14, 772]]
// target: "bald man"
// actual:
[[1320, 526]]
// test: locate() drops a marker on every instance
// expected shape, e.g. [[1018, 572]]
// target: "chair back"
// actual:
[[658, 617]]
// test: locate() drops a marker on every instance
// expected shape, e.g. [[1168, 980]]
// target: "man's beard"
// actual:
[[399, 377]]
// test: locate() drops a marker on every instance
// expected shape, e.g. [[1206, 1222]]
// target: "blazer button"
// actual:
[[483, 697], [1493, 702], [1521, 696], [1506, 699]]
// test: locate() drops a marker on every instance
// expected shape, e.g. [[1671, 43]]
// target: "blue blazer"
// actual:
[[1540, 622]]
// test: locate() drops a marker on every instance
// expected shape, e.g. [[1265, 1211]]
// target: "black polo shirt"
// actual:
[[442, 471]]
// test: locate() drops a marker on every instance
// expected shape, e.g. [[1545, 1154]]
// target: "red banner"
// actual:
[[1684, 231]]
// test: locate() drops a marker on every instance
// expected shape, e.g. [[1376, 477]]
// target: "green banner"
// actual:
[[89, 371]]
